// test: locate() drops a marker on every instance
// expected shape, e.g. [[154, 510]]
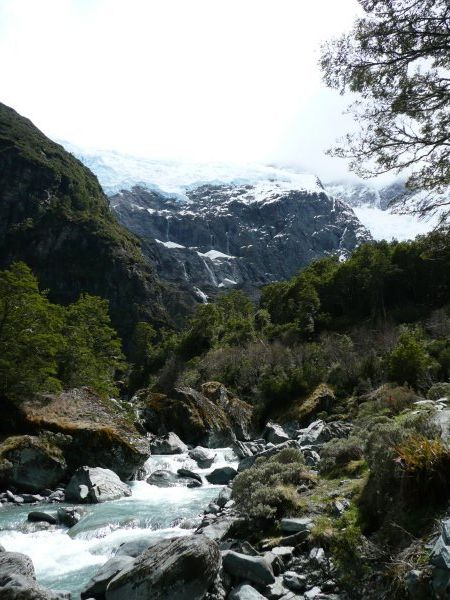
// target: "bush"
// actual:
[[387, 400], [267, 491], [338, 453], [425, 465], [409, 361], [439, 390]]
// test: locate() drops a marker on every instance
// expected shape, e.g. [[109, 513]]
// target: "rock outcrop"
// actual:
[[179, 568], [30, 464], [94, 485], [227, 235], [215, 420], [87, 430]]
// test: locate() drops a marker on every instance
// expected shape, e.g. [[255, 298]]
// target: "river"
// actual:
[[66, 559]]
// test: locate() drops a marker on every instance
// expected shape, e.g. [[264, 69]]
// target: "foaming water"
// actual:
[[67, 559]]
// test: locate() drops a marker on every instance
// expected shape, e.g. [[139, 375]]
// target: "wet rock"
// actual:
[[296, 525], [224, 497], [2, 548], [14, 497], [187, 473], [102, 485], [212, 508], [136, 547], [275, 433], [245, 592], [41, 517], [68, 516], [193, 483], [163, 478], [222, 475], [202, 456], [248, 568], [15, 563], [168, 444], [96, 586], [179, 568]]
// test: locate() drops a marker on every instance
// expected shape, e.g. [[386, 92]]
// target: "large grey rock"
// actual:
[[163, 478], [187, 473], [219, 530], [296, 525], [248, 568], [18, 580], [168, 444], [16, 563], [294, 581], [245, 592], [136, 547], [68, 516], [94, 484], [30, 465], [222, 475], [18, 587], [202, 456], [180, 568], [223, 497], [41, 517], [275, 434], [97, 585]]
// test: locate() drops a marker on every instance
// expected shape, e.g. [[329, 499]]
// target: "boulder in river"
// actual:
[[37, 516], [189, 474], [181, 568], [94, 484], [136, 547], [202, 456], [29, 464], [96, 586], [245, 592], [163, 478], [18, 580], [167, 444], [222, 475]]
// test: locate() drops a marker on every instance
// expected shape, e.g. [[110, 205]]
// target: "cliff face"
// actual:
[[237, 235], [55, 217]]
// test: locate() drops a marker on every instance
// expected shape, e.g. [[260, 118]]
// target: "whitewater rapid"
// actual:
[[66, 559]]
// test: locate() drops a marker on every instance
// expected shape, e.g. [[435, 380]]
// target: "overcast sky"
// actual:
[[183, 79]]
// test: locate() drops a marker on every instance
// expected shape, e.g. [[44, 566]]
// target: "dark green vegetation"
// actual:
[[380, 316], [47, 347], [55, 217], [396, 59]]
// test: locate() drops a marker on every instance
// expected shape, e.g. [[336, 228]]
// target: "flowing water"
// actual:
[[66, 559]]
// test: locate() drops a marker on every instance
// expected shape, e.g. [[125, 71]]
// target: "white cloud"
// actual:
[[197, 79]]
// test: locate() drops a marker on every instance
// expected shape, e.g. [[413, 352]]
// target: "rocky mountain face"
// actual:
[[55, 217], [218, 226]]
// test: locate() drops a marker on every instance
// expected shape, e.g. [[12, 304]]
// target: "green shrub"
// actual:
[[267, 491], [339, 453], [409, 361], [439, 390]]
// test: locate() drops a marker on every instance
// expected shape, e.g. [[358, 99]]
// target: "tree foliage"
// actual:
[[397, 60], [45, 347]]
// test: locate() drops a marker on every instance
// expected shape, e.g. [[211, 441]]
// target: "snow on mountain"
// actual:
[[390, 211], [175, 179]]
